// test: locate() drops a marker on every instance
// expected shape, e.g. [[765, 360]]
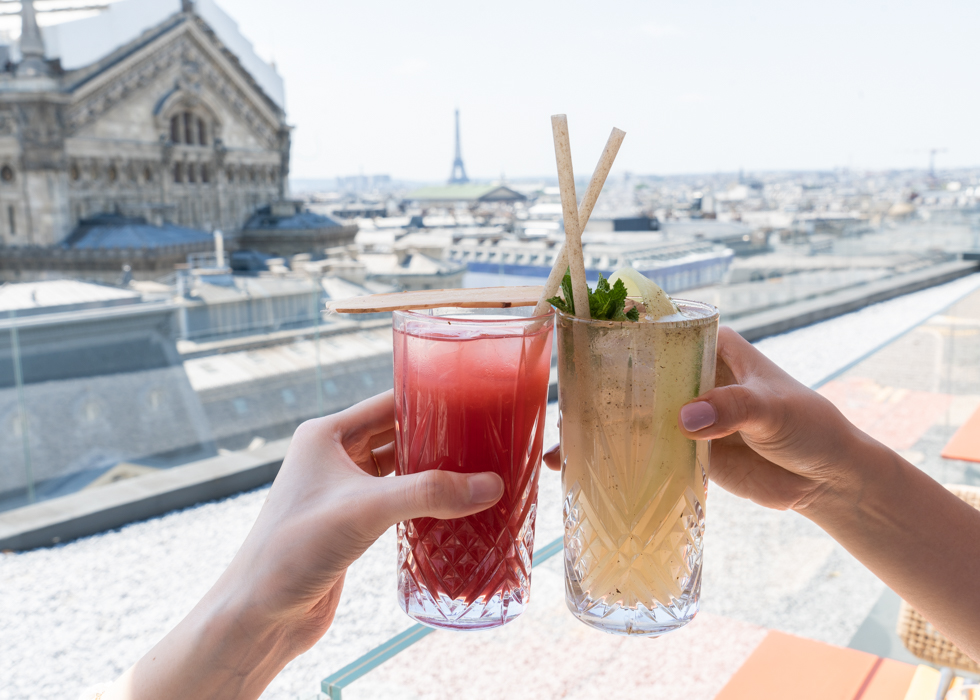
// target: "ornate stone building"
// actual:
[[153, 108]]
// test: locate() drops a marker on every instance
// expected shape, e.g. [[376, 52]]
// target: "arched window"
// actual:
[[189, 129], [7, 173], [178, 172], [191, 172]]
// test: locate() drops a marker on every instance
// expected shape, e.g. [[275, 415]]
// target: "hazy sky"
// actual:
[[698, 86]]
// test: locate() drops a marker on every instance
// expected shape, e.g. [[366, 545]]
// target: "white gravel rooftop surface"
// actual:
[[80, 613]]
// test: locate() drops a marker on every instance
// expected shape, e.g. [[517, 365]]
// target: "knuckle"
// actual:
[[431, 489], [317, 433], [740, 404], [316, 425], [305, 431]]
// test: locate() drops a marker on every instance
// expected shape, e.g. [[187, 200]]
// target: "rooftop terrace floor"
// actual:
[[905, 370]]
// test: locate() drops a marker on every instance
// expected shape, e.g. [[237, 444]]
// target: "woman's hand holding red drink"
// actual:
[[280, 593]]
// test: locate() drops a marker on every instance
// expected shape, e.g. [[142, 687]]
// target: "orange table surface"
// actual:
[[965, 444], [784, 666]]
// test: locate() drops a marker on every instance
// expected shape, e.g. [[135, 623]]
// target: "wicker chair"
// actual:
[[920, 637]]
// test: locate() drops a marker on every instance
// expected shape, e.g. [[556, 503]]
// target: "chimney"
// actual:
[[219, 249]]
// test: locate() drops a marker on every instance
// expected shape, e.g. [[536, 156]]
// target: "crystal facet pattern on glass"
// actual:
[[635, 487], [470, 397]]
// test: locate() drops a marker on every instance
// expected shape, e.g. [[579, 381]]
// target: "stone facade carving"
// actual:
[[171, 128], [137, 77]]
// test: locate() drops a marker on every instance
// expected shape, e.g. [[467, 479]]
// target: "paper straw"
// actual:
[[569, 208], [602, 169], [473, 298]]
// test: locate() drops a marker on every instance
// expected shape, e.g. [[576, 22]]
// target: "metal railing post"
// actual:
[[24, 426], [316, 343]]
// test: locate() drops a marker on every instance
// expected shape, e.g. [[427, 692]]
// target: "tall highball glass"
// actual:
[[634, 486], [470, 396]]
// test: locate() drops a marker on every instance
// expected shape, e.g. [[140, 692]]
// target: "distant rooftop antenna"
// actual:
[[458, 176]]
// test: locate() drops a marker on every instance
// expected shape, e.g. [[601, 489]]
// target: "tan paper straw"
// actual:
[[602, 169], [569, 209], [482, 297]]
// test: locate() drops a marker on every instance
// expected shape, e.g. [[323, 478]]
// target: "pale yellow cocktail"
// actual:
[[634, 485]]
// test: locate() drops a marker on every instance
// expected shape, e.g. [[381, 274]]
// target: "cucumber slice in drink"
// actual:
[[646, 290]]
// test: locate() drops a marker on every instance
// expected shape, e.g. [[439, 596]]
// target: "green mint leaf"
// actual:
[[601, 303], [559, 304], [606, 303], [566, 289], [619, 291]]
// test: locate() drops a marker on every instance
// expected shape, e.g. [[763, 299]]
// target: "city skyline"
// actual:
[[702, 88], [372, 87]]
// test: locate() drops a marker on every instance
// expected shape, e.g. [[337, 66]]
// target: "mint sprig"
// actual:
[[606, 303]]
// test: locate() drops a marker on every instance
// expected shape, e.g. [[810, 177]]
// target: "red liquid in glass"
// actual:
[[471, 405]]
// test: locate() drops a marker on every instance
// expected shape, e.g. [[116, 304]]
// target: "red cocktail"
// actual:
[[470, 396]]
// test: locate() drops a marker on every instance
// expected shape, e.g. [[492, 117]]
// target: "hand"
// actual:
[[774, 441], [784, 446], [281, 591], [327, 506]]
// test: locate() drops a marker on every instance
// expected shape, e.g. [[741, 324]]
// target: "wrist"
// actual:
[[844, 484], [225, 648]]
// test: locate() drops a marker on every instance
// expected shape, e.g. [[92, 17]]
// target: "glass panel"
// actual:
[[335, 684], [152, 375], [16, 472], [915, 387]]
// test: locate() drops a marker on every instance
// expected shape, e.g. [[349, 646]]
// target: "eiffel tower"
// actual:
[[458, 176]]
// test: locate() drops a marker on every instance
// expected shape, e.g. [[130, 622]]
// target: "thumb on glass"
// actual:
[[432, 494]]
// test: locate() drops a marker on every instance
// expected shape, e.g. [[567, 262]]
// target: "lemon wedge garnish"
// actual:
[[655, 299]]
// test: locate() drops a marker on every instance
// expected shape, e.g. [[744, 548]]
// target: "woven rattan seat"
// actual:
[[920, 637]]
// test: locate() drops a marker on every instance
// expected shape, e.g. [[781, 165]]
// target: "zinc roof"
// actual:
[[464, 193]]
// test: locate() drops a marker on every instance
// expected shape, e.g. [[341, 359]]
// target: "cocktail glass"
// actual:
[[470, 396], [634, 486]]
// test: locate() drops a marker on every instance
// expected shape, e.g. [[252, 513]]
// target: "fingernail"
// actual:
[[696, 416], [484, 488], [554, 450]]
